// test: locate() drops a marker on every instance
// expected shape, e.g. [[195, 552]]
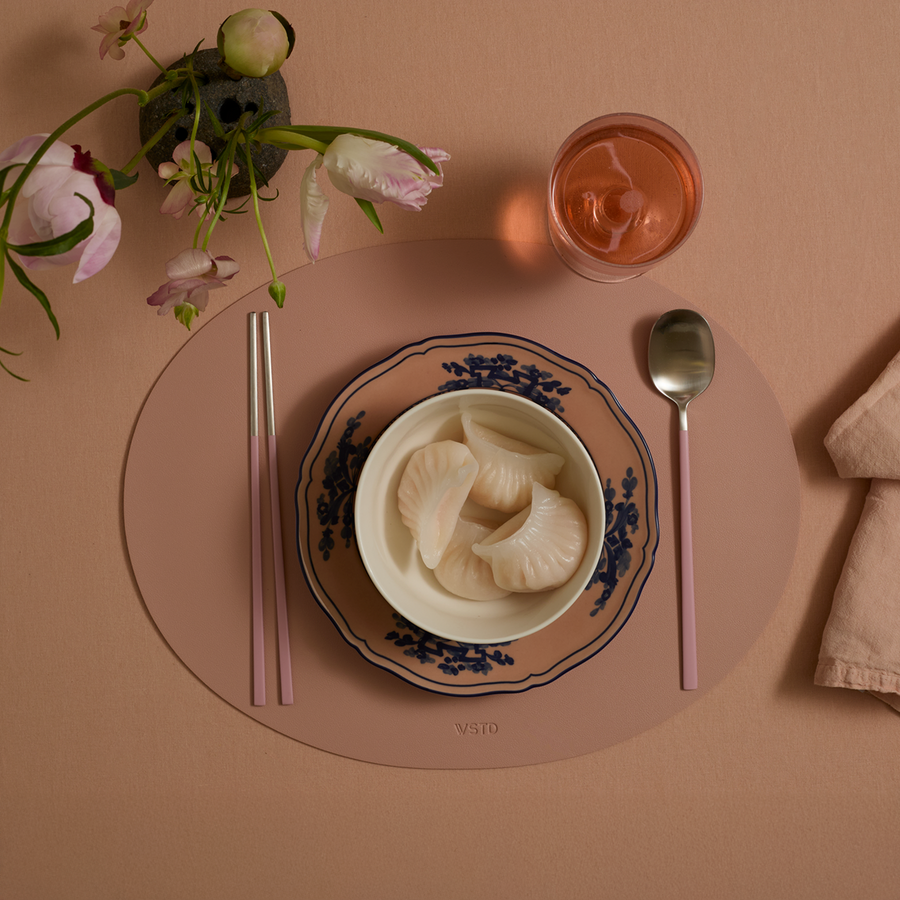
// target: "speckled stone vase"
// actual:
[[228, 99]]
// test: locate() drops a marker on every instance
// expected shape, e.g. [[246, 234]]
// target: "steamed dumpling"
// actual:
[[433, 488], [506, 467], [463, 573], [540, 548]]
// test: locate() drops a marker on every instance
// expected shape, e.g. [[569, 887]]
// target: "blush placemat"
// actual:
[[187, 503]]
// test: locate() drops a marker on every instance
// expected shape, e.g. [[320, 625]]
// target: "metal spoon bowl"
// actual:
[[682, 360]]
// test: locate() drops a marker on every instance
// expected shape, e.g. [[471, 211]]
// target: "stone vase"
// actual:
[[228, 99]]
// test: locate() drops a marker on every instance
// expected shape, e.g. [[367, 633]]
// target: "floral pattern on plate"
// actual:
[[324, 512]]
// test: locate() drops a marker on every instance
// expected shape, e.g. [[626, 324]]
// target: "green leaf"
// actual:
[[264, 117], [10, 371], [214, 119], [27, 283], [62, 244], [121, 180], [369, 209]]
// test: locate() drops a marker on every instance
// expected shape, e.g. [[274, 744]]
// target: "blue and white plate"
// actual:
[[324, 508]]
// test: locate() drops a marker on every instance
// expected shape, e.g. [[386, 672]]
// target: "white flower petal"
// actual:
[[58, 154], [99, 248], [177, 200], [313, 206], [183, 152], [189, 264]]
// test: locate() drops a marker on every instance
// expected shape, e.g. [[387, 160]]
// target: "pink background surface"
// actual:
[[745, 497], [123, 776]]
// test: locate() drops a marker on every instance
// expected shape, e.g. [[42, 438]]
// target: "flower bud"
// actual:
[[255, 42], [277, 291]]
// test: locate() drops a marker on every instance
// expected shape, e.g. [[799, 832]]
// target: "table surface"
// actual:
[[124, 776]]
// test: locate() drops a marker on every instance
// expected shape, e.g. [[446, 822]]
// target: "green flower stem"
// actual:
[[152, 142], [289, 140], [255, 196], [197, 231], [150, 56], [226, 161], [198, 103]]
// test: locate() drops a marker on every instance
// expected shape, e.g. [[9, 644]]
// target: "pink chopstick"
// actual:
[[259, 643], [284, 640]]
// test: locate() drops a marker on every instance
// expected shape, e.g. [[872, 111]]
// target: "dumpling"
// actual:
[[433, 488], [506, 467], [540, 548], [463, 573]]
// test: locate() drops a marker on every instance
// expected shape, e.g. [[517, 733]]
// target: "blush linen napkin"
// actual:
[[861, 642]]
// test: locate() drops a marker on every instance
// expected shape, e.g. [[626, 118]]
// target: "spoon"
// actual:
[[682, 359]]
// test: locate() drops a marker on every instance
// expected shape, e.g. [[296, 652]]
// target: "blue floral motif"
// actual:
[[621, 520], [335, 507], [451, 657], [504, 373]]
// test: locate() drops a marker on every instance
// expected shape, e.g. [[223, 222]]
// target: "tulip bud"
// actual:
[[255, 42]]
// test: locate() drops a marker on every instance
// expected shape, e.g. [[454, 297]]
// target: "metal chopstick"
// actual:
[[284, 642], [259, 642]]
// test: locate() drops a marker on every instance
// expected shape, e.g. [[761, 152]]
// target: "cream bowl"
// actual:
[[388, 549]]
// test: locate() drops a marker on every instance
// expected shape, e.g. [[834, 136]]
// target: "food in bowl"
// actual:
[[462, 571], [435, 485], [538, 549], [420, 595], [507, 468]]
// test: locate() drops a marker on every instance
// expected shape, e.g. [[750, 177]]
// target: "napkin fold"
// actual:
[[861, 642]]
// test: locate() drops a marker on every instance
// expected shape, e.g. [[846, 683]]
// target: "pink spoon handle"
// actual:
[[688, 621]]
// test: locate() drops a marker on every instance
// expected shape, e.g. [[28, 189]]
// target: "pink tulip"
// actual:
[[192, 275], [378, 171], [369, 170], [48, 207], [119, 24]]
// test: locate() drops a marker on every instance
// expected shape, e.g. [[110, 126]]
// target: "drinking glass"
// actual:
[[625, 193]]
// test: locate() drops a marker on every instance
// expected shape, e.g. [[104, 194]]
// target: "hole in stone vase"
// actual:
[[181, 134], [251, 107], [229, 111]]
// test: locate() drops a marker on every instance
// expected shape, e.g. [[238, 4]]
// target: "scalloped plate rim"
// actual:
[[407, 675]]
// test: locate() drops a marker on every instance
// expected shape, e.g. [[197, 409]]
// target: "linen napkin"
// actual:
[[861, 642]]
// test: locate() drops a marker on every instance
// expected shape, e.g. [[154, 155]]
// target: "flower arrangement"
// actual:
[[60, 207]]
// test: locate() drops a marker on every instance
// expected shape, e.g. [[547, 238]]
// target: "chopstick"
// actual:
[[259, 644], [284, 640]]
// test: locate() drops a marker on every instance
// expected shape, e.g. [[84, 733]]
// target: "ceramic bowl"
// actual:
[[388, 549]]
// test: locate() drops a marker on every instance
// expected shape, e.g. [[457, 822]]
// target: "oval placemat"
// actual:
[[187, 503]]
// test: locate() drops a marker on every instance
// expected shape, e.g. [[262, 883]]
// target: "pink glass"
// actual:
[[625, 193]]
